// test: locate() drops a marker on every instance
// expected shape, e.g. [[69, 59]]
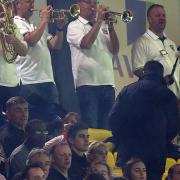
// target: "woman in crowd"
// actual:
[[135, 170]]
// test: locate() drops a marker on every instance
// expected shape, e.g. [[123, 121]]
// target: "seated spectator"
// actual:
[[135, 170], [33, 172], [174, 172], [94, 176], [78, 138], [35, 137], [49, 144], [12, 134], [2, 177], [70, 119], [40, 156], [97, 152], [100, 168], [61, 161]]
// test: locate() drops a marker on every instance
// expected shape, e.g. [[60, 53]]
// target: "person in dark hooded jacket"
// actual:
[[144, 119]]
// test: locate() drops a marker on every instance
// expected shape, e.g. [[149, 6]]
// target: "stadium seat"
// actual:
[[169, 163], [98, 134]]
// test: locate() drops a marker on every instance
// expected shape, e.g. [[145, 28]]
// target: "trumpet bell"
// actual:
[[74, 10], [127, 16], [58, 14]]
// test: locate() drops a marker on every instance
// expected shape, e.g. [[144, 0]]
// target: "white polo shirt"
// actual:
[[149, 47], [90, 66], [36, 66], [8, 72]]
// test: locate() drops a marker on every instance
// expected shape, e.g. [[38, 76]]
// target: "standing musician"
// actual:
[[154, 44], [92, 45], [35, 69], [9, 81]]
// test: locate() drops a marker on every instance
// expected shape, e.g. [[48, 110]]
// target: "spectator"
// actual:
[[78, 138], [174, 172], [97, 152], [135, 170], [100, 168], [35, 137], [40, 156], [144, 119], [12, 134], [61, 161], [33, 172]]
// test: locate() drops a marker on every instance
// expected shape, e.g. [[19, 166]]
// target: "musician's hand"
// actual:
[[11, 39], [102, 10], [45, 13], [169, 80], [62, 22]]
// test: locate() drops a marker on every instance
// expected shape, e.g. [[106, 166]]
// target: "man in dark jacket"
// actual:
[[12, 134], [144, 119]]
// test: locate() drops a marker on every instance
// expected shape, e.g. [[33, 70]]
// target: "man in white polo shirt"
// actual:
[[35, 70], [92, 46], [155, 45]]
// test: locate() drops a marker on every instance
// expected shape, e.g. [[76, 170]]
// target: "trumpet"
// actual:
[[57, 14], [111, 17]]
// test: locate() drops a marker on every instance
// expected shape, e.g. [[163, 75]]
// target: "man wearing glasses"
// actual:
[[35, 138]]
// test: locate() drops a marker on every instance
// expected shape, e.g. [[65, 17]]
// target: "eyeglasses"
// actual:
[[41, 132]]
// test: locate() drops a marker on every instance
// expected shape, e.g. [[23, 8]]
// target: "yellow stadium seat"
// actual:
[[117, 172], [110, 160], [98, 134], [169, 163], [164, 175], [115, 156]]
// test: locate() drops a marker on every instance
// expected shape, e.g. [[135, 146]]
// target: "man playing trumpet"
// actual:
[[92, 45], [35, 70]]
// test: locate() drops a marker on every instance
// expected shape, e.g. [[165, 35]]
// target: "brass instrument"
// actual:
[[57, 14], [7, 27], [126, 16]]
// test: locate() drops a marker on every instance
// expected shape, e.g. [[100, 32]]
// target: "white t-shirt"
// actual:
[[90, 66], [36, 66], [8, 72], [149, 47]]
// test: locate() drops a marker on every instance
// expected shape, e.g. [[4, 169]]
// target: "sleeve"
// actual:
[[21, 26], [139, 54], [75, 34]]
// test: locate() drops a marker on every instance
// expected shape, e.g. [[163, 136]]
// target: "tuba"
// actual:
[[7, 27]]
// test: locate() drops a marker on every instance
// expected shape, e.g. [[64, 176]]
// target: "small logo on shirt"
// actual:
[[163, 52]]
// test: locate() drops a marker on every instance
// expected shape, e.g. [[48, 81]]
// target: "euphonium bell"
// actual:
[[7, 27]]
